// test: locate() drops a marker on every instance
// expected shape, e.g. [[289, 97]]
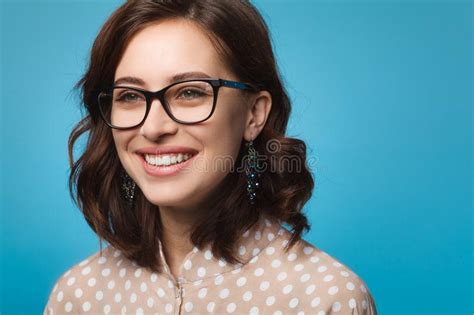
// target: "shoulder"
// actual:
[[71, 289], [321, 282]]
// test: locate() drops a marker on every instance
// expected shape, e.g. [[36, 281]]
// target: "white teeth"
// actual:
[[166, 159]]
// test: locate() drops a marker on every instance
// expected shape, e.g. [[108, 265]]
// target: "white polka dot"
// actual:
[[314, 259], [99, 295], [68, 307], [352, 303], [143, 287], [106, 308], [255, 251], [299, 267], [222, 263], [247, 296], [210, 307], [187, 265], [291, 257], [138, 272], [315, 302], [254, 259], [254, 310], [208, 254], [241, 281], [310, 289], [160, 292], [78, 292], [308, 250], [281, 276], [117, 253], [333, 290], [276, 263], [150, 302], [270, 250], [86, 270], [153, 277], [111, 284], [293, 302], [350, 286], [105, 272], [270, 236], [270, 300], [258, 235], [224, 293], [336, 264], [258, 272], [344, 273], [287, 288], [139, 311], [231, 307], [364, 304], [122, 272], [242, 250], [118, 297], [328, 278], [264, 285], [82, 263], [71, 281], [102, 260], [91, 282], [123, 310], [336, 307], [119, 262], [86, 306], [322, 268], [305, 277], [363, 289], [168, 308], [219, 279], [67, 273], [202, 293], [201, 272], [188, 306], [128, 284], [60, 296]]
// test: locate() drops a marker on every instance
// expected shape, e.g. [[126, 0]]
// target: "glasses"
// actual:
[[186, 102]]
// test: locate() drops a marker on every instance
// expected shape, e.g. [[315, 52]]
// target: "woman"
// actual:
[[189, 177]]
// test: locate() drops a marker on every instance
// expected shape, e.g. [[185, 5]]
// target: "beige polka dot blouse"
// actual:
[[304, 280]]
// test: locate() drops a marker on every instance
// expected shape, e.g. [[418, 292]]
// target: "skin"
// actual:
[[154, 55]]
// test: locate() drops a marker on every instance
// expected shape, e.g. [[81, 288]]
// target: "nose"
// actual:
[[157, 123]]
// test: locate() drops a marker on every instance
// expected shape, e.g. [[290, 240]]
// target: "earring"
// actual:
[[128, 186], [251, 167]]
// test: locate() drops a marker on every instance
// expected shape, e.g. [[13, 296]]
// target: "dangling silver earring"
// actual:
[[251, 167], [128, 186]]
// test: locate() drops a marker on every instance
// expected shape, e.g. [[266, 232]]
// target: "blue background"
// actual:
[[382, 94]]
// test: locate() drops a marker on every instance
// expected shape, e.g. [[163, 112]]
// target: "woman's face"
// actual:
[[155, 55]]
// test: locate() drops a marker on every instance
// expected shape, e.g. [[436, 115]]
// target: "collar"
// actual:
[[201, 264]]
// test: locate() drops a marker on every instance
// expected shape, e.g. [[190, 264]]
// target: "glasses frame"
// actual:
[[160, 95]]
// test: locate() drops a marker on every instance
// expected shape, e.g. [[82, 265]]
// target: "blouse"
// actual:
[[271, 280]]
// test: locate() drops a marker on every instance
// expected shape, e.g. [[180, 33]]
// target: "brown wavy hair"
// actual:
[[241, 37]]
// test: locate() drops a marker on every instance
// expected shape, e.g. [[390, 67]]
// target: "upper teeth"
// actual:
[[167, 159]]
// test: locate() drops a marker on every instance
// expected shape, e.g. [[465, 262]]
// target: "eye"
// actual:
[[191, 93], [129, 97]]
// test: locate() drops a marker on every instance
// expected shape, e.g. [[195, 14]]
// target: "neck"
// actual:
[[176, 235]]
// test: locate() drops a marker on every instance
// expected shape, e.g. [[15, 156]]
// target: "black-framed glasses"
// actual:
[[187, 102]]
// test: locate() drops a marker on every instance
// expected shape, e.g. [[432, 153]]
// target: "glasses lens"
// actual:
[[123, 107], [190, 101]]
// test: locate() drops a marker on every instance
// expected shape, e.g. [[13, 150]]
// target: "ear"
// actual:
[[258, 112]]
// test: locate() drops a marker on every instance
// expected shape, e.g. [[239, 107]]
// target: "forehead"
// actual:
[[168, 47]]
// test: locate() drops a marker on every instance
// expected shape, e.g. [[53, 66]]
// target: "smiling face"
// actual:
[[155, 55]]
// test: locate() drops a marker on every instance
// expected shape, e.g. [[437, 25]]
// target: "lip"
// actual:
[[165, 150], [154, 170]]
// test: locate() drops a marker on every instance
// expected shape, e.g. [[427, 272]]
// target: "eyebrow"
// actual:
[[175, 78]]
